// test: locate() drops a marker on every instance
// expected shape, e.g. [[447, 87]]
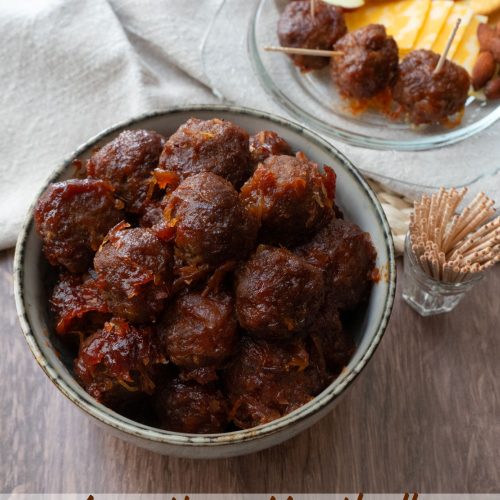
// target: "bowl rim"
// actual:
[[130, 427]]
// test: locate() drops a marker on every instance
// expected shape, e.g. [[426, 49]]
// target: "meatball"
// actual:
[[199, 331], [191, 408], [135, 269], [267, 143], [277, 293], [127, 162], [297, 28], [152, 215], [347, 256], [268, 380], [368, 63], [77, 303], [216, 146], [118, 361], [211, 225], [291, 198], [72, 218], [426, 97], [329, 345]]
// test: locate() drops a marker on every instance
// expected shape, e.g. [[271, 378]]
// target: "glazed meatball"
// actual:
[[191, 408], [426, 97], [368, 63], [118, 361], [347, 256], [77, 303], [152, 215], [291, 198], [216, 146], [199, 331], [72, 218], [135, 269], [265, 144], [211, 225], [277, 293], [268, 380], [127, 162], [297, 28], [329, 345]]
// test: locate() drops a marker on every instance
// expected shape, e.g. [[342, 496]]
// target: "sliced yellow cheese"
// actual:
[[458, 11], [484, 6], [468, 50], [436, 17], [403, 20]]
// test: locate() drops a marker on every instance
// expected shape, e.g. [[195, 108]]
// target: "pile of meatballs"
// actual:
[[200, 281], [368, 66]]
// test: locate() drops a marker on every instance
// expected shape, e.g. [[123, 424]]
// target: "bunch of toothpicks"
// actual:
[[453, 247]]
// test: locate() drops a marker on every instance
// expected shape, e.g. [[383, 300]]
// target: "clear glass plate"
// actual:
[[312, 98]]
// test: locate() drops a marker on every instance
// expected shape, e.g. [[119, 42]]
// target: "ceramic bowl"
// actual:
[[355, 198]]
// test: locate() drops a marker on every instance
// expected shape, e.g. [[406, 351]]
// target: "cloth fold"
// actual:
[[69, 69]]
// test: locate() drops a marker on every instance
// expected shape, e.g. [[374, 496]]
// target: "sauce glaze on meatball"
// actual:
[[211, 225], [268, 380], [427, 97], [297, 28], [118, 361], [277, 293], [198, 330], [135, 270], [347, 256], [291, 198], [127, 162], [72, 218], [369, 62], [77, 303], [265, 144], [191, 408], [329, 345], [216, 146]]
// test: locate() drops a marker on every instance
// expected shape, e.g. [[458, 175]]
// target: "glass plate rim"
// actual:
[[344, 135]]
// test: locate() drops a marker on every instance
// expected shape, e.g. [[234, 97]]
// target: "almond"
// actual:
[[492, 89], [484, 69], [489, 40]]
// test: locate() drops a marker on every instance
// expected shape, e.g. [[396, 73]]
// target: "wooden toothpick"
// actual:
[[444, 55], [453, 246], [313, 8], [304, 52]]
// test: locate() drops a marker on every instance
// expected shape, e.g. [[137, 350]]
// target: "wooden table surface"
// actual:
[[424, 416]]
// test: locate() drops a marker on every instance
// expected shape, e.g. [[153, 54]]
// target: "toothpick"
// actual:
[[313, 8], [304, 52], [444, 55], [453, 246]]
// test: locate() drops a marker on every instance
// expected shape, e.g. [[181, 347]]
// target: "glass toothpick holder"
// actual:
[[427, 295]]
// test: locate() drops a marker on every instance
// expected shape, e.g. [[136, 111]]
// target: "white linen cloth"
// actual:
[[70, 68]]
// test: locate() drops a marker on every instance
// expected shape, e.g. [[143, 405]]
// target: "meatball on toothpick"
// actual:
[[428, 96], [298, 27], [367, 63]]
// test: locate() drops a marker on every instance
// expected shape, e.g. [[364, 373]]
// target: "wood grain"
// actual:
[[423, 416]]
